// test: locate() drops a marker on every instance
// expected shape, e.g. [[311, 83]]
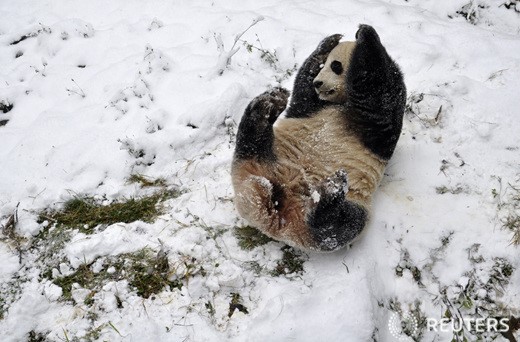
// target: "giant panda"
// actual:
[[307, 179]]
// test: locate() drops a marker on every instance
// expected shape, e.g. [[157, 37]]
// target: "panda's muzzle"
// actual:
[[318, 84]]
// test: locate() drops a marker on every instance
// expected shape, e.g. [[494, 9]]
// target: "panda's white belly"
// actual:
[[311, 149]]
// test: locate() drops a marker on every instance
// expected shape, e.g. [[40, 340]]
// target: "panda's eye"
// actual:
[[336, 67]]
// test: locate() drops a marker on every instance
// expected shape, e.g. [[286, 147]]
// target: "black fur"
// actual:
[[335, 221], [336, 67], [277, 196], [375, 90], [255, 135], [305, 100], [376, 94]]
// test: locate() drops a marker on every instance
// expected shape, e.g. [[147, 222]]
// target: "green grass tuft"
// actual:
[[146, 271], [85, 213], [249, 238], [512, 222], [93, 334], [34, 336], [508, 205], [146, 181], [441, 190], [149, 274], [291, 263], [236, 304], [83, 276]]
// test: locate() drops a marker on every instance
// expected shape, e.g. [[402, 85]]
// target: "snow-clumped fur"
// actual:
[[159, 89], [341, 129]]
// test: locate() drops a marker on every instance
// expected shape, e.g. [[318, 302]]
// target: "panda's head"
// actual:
[[331, 81]]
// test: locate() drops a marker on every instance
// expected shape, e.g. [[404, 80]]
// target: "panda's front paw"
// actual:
[[367, 33], [269, 105], [328, 44]]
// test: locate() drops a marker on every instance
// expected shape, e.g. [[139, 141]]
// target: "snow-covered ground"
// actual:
[[101, 90]]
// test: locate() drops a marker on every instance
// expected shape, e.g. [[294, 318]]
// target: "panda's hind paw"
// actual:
[[335, 187]]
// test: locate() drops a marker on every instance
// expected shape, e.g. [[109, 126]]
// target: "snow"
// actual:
[[102, 90], [315, 196]]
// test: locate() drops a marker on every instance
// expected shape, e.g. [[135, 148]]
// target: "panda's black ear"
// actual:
[[367, 34]]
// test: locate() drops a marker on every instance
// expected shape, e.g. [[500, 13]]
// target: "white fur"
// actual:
[[333, 87]]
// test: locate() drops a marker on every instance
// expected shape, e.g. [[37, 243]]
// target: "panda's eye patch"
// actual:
[[336, 67]]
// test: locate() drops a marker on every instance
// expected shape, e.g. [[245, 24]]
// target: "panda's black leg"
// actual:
[[255, 135], [304, 99], [335, 221]]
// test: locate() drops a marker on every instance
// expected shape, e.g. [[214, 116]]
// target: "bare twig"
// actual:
[[80, 92], [225, 56], [9, 230]]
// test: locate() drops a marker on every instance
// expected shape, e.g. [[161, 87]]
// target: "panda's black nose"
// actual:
[[317, 84]]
